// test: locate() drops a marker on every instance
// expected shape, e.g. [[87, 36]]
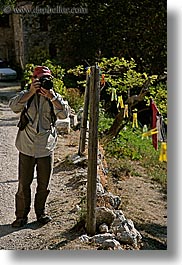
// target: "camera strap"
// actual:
[[29, 102], [53, 115], [27, 106]]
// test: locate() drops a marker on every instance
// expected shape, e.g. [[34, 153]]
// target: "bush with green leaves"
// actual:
[[72, 95], [129, 147], [129, 144], [121, 76], [105, 121], [57, 72], [76, 101], [80, 73], [159, 95]]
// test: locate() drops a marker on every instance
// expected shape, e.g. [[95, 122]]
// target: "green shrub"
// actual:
[[105, 121], [72, 95], [76, 101], [129, 147], [56, 70]]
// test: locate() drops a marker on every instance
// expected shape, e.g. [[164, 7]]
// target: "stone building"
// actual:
[[11, 39], [36, 37], [25, 35]]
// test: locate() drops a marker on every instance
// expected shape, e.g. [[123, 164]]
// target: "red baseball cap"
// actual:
[[40, 71]]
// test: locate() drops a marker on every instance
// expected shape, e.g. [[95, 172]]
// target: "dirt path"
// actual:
[[143, 202]]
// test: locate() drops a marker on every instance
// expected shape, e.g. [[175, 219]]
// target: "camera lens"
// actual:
[[46, 83]]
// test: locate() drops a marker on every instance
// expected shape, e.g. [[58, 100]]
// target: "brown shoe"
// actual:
[[19, 222], [44, 219]]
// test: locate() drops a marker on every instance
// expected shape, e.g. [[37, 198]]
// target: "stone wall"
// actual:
[[113, 230], [11, 40], [6, 41]]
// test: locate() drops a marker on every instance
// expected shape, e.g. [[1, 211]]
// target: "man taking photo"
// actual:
[[36, 139]]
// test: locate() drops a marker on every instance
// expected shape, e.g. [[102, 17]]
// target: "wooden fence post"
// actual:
[[94, 96], [83, 128]]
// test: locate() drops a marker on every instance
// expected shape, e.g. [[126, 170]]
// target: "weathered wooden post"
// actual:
[[94, 95], [83, 128]]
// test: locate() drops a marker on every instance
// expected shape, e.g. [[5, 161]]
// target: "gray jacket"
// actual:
[[39, 137]]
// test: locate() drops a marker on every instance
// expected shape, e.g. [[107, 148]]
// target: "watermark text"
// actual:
[[45, 10]]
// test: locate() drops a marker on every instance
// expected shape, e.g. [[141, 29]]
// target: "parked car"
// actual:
[[6, 73]]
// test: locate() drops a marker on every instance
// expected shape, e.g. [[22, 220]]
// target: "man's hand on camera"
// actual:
[[35, 86], [47, 93]]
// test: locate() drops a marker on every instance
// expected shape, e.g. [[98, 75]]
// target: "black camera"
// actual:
[[46, 83]]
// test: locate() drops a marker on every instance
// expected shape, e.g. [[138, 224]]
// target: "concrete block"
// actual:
[[63, 126]]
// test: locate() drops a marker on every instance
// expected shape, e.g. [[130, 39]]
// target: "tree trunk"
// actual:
[[117, 125], [118, 122]]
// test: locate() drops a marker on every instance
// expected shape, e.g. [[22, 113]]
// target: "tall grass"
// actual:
[[129, 147]]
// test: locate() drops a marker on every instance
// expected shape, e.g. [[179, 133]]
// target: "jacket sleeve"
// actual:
[[14, 102], [65, 112]]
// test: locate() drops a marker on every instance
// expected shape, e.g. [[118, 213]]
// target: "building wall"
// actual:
[[11, 39], [6, 39], [18, 39], [25, 38], [36, 38]]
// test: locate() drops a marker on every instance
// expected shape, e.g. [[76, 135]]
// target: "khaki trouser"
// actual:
[[44, 167]]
